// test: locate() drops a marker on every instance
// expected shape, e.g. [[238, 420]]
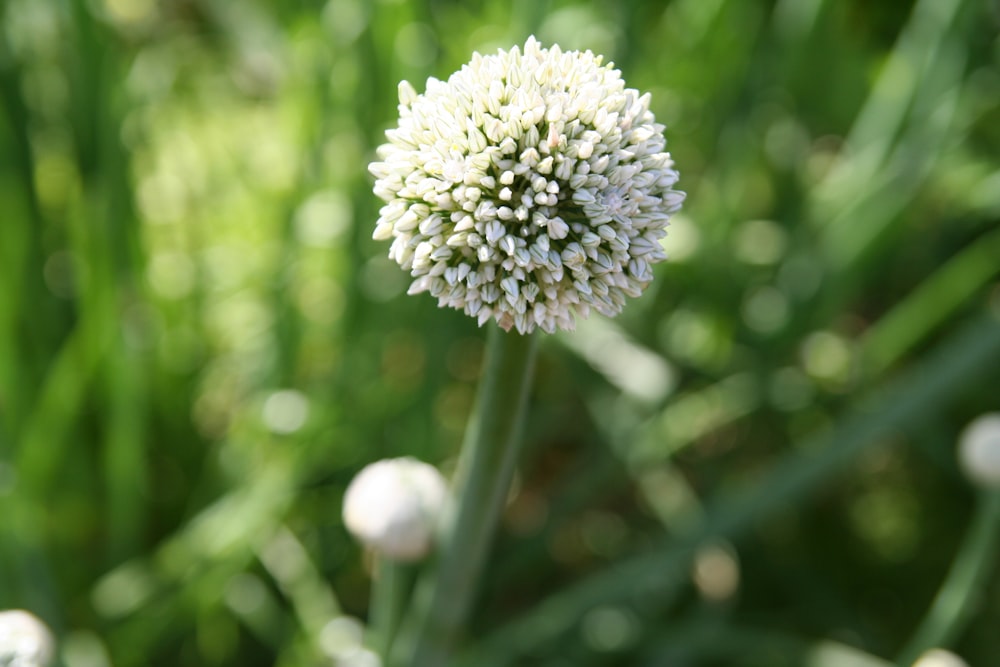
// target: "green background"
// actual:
[[200, 344]]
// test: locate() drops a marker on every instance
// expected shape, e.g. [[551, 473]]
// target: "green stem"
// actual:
[[444, 595], [389, 594], [961, 590]]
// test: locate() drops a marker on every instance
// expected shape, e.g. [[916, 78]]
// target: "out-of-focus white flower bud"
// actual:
[[393, 506], [979, 450], [938, 657], [24, 640]]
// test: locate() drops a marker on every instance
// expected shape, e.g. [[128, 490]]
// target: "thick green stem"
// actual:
[[444, 595], [961, 590]]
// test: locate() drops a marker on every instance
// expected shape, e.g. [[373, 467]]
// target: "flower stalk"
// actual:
[[389, 594], [955, 601], [444, 595]]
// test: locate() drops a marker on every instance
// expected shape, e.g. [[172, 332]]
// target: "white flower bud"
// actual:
[[938, 657], [979, 450], [24, 640], [393, 505]]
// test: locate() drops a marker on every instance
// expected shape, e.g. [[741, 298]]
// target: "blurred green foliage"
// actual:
[[200, 344]]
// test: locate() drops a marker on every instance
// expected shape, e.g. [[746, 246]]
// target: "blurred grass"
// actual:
[[199, 342]]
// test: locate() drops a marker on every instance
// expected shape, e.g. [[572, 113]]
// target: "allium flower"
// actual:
[[938, 657], [526, 188], [393, 505], [24, 640], [979, 450]]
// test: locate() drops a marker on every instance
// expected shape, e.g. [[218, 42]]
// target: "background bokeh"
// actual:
[[754, 465]]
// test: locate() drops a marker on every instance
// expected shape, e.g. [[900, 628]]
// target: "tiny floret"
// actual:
[[25, 641], [393, 505], [979, 450], [536, 169]]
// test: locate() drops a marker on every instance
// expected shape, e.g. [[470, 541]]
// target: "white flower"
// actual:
[[938, 657], [537, 169], [979, 450], [24, 640], [393, 506]]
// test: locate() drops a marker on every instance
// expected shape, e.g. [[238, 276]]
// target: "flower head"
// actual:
[[393, 505], [979, 450], [24, 640], [939, 657], [527, 188]]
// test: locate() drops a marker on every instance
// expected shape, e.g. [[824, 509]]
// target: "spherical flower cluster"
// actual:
[[979, 450], [24, 640], [527, 188], [393, 505]]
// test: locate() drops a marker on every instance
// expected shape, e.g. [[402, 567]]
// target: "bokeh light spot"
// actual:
[[765, 310], [416, 45], [84, 649], [682, 239], [322, 218], [320, 299], [123, 590], [171, 274], [245, 594], [827, 357], [609, 629], [800, 276], [760, 242], [716, 573], [285, 411]]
